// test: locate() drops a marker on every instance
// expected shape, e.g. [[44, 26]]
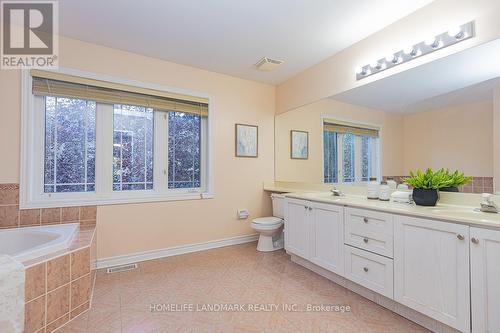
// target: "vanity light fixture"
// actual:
[[452, 36]]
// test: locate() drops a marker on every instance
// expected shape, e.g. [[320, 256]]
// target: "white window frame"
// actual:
[[32, 153], [357, 148]]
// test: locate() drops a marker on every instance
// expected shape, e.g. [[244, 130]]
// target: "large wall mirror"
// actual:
[[439, 115]]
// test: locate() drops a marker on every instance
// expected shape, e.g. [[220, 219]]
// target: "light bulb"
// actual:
[[456, 32], [362, 70], [430, 41], [376, 65], [434, 42], [409, 50], [390, 58]]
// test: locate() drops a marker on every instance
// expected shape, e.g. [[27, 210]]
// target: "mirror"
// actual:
[[438, 115]]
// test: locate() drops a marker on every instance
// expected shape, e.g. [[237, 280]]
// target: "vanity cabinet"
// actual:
[[485, 279], [431, 269], [327, 237], [297, 227], [447, 271], [315, 231]]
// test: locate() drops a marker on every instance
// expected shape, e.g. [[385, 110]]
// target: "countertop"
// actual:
[[445, 212]]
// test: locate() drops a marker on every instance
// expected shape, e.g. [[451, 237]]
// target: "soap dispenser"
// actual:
[[384, 192], [392, 183], [373, 188]]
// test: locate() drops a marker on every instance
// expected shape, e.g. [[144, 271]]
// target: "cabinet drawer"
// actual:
[[369, 270], [369, 230]]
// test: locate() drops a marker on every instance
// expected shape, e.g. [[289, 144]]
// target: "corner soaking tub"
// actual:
[[32, 242]]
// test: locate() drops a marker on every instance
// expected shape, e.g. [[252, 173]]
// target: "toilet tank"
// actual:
[[278, 205]]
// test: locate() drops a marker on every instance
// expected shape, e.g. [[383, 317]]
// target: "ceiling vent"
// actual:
[[268, 64]]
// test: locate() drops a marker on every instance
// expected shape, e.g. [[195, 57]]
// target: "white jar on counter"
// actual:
[[384, 193], [373, 188], [391, 183]]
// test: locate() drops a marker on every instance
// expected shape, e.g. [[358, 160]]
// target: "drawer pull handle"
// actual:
[[305, 207], [365, 240], [460, 237], [365, 269], [474, 240], [365, 219], [310, 208]]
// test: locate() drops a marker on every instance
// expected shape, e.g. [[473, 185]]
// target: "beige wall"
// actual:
[[308, 118], [336, 74], [124, 229], [10, 125], [496, 138], [459, 137]]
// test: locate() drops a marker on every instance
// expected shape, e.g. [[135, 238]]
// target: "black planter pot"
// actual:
[[425, 197], [449, 189]]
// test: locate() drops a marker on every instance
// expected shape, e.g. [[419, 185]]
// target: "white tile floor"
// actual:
[[231, 275]]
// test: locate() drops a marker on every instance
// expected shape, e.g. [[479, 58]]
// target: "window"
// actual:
[[184, 153], [69, 159], [350, 152], [110, 142], [132, 148]]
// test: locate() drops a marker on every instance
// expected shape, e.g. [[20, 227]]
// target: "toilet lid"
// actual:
[[270, 220]]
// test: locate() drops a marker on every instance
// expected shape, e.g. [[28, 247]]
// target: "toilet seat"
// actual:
[[267, 221]]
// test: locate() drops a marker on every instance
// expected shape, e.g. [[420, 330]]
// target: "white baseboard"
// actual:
[[173, 251]]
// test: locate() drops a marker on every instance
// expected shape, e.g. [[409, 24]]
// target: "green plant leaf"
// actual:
[[436, 179]]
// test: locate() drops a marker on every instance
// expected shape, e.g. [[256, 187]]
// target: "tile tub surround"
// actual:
[[58, 286], [231, 275], [12, 217]]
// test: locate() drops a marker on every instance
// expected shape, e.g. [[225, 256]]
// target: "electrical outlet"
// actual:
[[243, 214]]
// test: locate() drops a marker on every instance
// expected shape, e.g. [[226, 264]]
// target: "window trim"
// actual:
[[31, 162], [341, 120]]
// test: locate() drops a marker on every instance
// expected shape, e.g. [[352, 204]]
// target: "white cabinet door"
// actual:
[[431, 269], [485, 280], [327, 237], [297, 227]]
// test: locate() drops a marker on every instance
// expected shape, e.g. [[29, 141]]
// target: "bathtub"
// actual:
[[32, 242]]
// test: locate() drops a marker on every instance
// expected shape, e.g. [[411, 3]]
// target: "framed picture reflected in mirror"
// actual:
[[299, 145]]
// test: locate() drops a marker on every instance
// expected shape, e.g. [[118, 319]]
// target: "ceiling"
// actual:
[[435, 84], [230, 36], [475, 93]]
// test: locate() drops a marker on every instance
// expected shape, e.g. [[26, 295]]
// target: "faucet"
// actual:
[[487, 204], [336, 192]]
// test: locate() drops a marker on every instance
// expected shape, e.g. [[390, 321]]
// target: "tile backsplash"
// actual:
[[13, 217], [478, 184]]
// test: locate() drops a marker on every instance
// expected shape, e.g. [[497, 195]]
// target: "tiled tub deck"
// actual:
[[59, 286]]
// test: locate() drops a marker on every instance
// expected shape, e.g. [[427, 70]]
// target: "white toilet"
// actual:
[[271, 228]]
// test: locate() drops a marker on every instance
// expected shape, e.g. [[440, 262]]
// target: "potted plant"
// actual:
[[426, 185], [455, 180]]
